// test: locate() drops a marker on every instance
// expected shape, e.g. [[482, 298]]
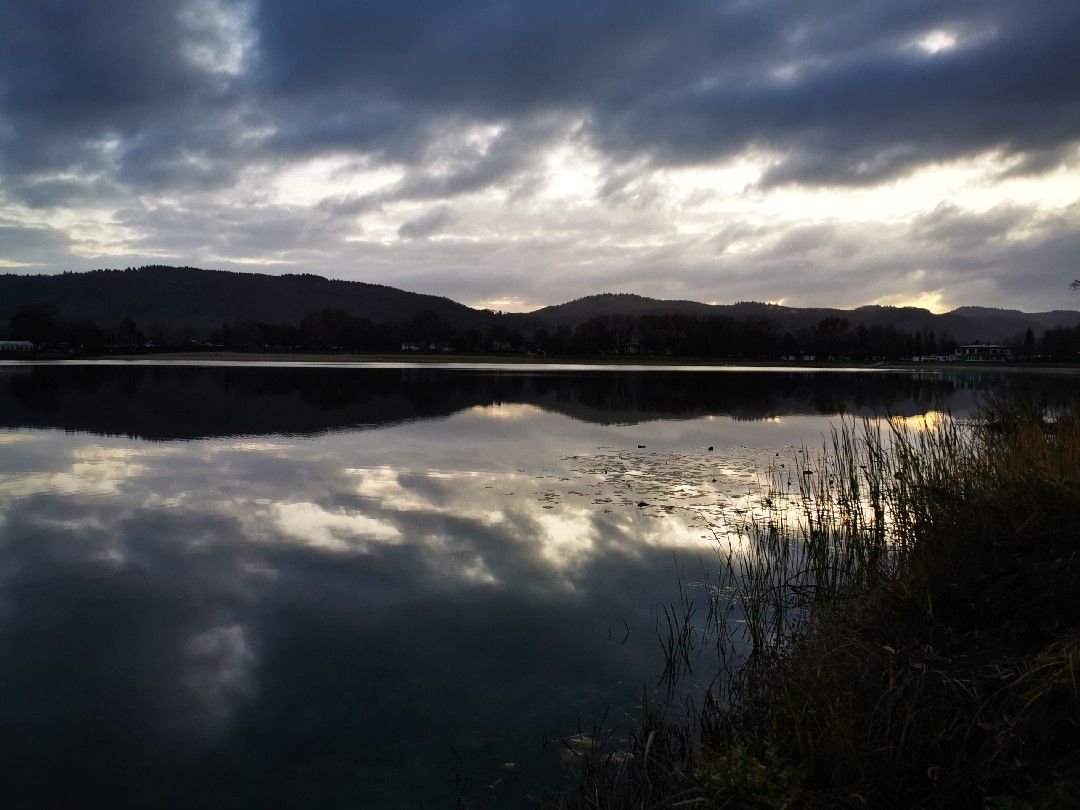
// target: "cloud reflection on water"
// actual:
[[213, 564], [269, 617]]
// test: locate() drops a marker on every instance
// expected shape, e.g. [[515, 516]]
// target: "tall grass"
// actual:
[[897, 626]]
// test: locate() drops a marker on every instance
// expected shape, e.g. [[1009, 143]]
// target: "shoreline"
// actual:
[[584, 363], [916, 643]]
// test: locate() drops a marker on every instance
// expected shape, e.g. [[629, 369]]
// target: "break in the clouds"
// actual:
[[515, 154]]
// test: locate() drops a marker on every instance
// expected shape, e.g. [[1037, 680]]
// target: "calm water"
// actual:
[[331, 587]]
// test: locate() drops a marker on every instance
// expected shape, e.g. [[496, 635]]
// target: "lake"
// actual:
[[319, 586]]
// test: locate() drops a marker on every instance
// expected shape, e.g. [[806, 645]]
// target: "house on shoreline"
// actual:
[[982, 352]]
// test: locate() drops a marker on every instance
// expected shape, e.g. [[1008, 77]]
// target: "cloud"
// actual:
[[255, 233], [588, 147], [29, 245], [839, 93], [114, 88], [425, 225]]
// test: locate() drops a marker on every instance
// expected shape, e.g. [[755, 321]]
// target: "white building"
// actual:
[[16, 346], [982, 351]]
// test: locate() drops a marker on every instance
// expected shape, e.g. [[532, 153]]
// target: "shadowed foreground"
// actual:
[[909, 597]]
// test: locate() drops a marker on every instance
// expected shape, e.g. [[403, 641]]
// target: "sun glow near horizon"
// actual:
[[848, 157]]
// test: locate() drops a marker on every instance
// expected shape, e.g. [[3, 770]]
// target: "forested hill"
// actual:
[[196, 302], [965, 324], [174, 297]]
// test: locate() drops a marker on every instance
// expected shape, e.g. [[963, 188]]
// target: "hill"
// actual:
[[172, 297], [188, 298], [964, 324]]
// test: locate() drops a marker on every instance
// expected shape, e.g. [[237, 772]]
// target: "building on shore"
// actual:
[[16, 346], [974, 352]]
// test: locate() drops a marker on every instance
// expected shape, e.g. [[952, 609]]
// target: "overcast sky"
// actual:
[[519, 153]]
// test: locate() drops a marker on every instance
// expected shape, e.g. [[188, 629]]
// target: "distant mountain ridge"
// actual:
[[967, 323], [175, 297]]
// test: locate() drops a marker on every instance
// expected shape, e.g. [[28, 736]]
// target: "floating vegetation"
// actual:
[[665, 483], [893, 625]]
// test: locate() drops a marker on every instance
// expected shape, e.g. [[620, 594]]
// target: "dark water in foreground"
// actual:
[[321, 587]]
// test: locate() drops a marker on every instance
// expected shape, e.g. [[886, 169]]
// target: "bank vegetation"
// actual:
[[899, 627]]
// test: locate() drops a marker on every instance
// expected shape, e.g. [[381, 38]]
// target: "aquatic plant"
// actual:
[[896, 626]]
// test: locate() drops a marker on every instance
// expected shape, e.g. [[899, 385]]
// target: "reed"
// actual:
[[897, 625]]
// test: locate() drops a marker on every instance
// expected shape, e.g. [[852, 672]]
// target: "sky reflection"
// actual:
[[326, 616]]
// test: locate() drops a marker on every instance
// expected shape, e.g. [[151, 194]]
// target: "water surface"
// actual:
[[349, 587]]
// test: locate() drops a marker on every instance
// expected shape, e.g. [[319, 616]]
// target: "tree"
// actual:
[[429, 329], [1029, 343], [830, 336], [127, 334], [789, 346], [623, 329], [37, 323]]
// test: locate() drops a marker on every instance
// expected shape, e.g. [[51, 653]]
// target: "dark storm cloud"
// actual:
[[172, 120], [840, 89], [116, 88], [837, 88]]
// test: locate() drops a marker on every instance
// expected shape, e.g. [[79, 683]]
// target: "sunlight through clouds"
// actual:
[[401, 148]]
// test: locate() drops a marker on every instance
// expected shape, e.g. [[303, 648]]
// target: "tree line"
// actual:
[[671, 335], [664, 335]]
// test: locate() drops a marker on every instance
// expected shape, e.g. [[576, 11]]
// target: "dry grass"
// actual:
[[900, 627]]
